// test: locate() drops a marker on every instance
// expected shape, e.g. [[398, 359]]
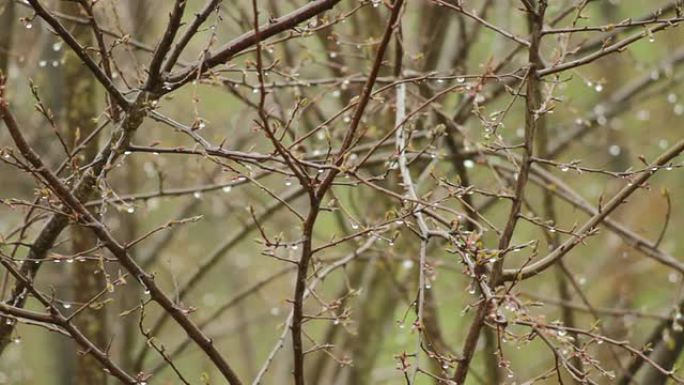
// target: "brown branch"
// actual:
[[226, 52], [617, 200], [153, 76]]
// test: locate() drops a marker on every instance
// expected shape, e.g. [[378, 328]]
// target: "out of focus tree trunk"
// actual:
[[130, 295], [80, 103], [6, 19], [379, 306], [665, 354]]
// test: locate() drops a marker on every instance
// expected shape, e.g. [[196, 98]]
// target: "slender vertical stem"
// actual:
[[532, 114]]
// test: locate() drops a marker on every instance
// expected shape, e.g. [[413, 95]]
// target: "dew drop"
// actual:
[[614, 150], [673, 277], [227, 189]]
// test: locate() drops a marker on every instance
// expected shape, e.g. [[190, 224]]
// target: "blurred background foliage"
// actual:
[[374, 293]]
